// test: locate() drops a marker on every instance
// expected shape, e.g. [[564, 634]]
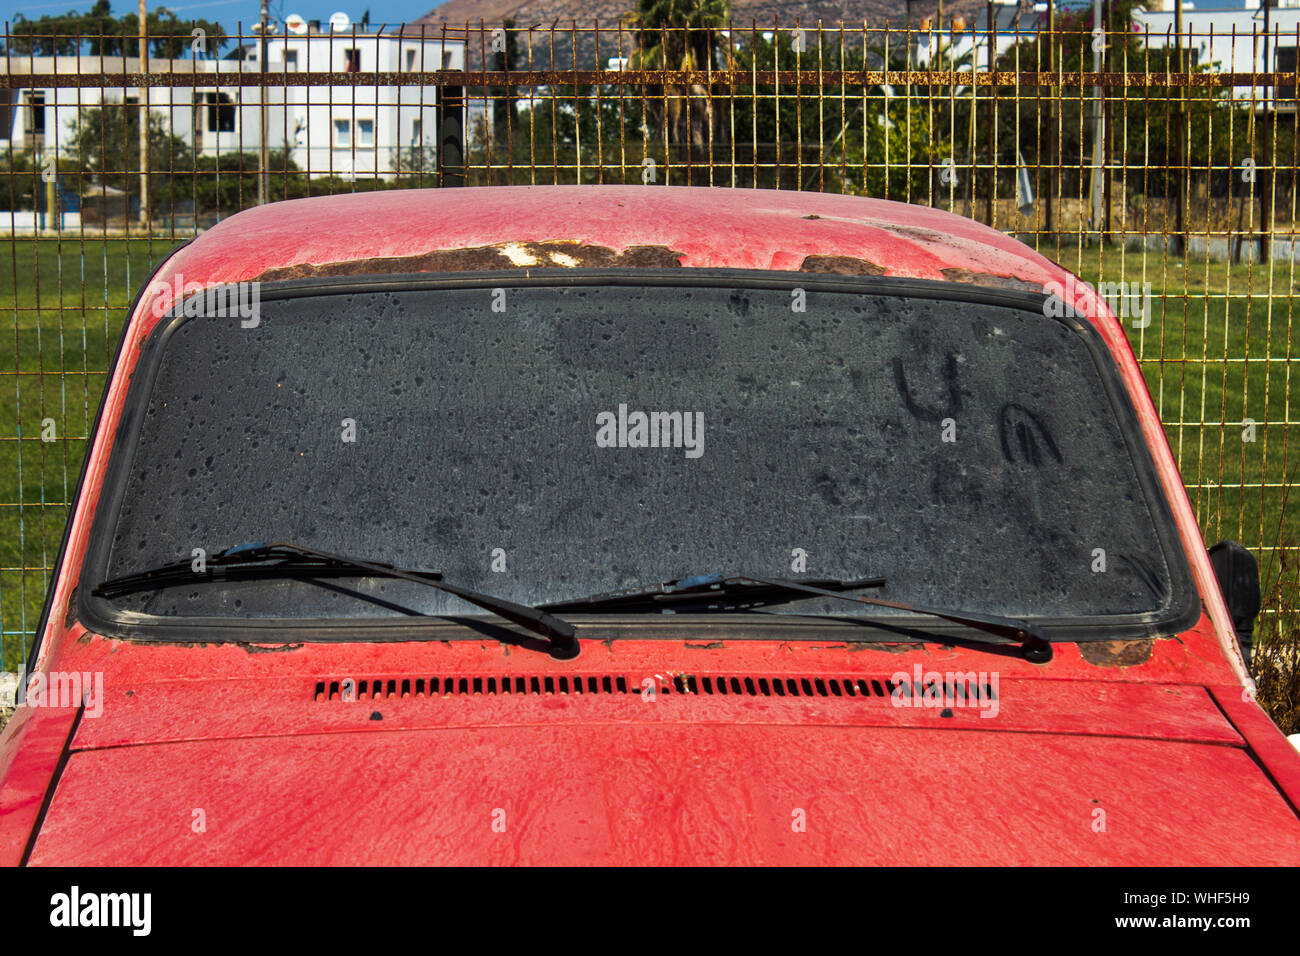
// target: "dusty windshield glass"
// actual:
[[547, 442]]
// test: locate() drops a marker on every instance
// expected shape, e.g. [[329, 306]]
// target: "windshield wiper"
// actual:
[[708, 588], [283, 559], [732, 590]]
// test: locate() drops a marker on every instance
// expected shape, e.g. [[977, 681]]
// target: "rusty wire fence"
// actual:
[[1157, 163]]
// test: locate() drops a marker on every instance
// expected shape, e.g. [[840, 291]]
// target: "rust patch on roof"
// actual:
[[1116, 653], [554, 254], [70, 616], [269, 648], [841, 265], [916, 232], [647, 257], [990, 281], [854, 646]]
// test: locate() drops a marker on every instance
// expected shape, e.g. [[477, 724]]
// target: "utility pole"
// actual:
[[1177, 134], [1098, 128], [1270, 119], [1107, 186], [144, 118], [261, 112], [1054, 92], [990, 129]]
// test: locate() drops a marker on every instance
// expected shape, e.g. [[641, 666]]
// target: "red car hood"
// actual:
[[285, 772]]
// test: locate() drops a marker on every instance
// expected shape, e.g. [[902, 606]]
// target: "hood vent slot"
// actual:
[[606, 685]]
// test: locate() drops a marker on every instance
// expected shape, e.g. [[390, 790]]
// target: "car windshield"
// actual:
[[547, 439]]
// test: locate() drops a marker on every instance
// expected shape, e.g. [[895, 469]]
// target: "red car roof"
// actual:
[[695, 227]]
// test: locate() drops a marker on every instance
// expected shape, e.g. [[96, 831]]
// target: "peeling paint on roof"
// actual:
[[564, 254]]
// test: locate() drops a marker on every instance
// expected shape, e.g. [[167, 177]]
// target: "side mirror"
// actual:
[[1238, 574]]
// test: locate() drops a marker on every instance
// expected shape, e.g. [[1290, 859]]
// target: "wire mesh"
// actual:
[[1157, 160]]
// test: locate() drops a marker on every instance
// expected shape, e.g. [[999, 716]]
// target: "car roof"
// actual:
[[480, 228]]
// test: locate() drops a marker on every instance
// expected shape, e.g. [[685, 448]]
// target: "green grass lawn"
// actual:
[[64, 301], [1222, 345]]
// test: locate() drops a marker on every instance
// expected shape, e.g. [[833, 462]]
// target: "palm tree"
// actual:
[[681, 35]]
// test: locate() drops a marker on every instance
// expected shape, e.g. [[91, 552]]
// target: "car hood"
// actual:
[[286, 773]]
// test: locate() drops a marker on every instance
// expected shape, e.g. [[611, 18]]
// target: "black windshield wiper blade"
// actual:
[[705, 588], [1034, 645], [733, 589], [284, 559], [243, 562]]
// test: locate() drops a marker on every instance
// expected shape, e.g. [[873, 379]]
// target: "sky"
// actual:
[[231, 12]]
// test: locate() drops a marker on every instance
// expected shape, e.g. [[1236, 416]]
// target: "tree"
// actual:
[[874, 142], [98, 32], [503, 111], [681, 35], [106, 144], [1140, 130], [57, 34], [22, 180], [169, 37], [567, 123]]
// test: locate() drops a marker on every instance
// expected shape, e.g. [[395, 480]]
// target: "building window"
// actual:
[[291, 61], [416, 132], [410, 60], [221, 112], [342, 133], [1285, 62], [351, 61], [446, 62], [36, 112], [6, 114], [365, 132]]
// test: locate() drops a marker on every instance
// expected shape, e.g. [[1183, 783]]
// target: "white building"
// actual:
[[966, 42], [1231, 39], [1225, 36], [341, 129]]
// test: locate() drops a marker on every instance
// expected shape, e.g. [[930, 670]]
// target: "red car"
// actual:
[[635, 525]]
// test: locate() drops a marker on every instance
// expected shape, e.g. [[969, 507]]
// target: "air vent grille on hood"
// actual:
[[383, 688]]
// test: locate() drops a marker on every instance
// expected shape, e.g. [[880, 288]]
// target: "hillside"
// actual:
[[543, 14]]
